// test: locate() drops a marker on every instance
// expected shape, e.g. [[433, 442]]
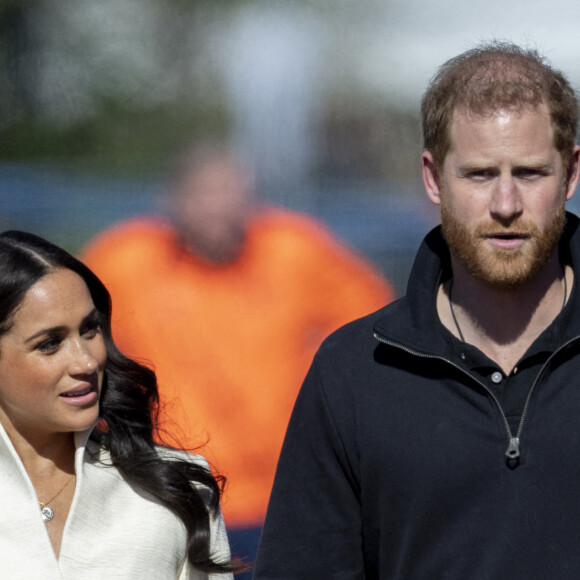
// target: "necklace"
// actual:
[[455, 317], [462, 338], [46, 511]]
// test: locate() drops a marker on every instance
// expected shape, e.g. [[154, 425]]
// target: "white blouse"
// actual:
[[114, 530]]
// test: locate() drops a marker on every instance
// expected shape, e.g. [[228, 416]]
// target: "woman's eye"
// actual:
[[92, 328], [48, 346]]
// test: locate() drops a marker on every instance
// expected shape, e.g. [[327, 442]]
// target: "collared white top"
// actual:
[[114, 530]]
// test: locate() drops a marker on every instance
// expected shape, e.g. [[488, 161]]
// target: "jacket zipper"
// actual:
[[513, 451]]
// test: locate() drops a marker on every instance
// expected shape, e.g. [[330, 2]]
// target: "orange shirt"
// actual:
[[231, 344]]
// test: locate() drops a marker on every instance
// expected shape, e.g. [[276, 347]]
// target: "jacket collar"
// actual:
[[413, 322]]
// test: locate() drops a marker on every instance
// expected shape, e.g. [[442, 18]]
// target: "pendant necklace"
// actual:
[[455, 317], [46, 511]]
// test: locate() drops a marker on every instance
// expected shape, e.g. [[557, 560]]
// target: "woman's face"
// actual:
[[52, 359]]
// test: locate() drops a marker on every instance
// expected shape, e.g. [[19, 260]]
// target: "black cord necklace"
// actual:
[[462, 338]]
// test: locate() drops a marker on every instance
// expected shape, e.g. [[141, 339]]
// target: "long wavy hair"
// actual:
[[129, 400]]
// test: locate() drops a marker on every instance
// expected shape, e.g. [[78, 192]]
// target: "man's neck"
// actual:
[[503, 324]]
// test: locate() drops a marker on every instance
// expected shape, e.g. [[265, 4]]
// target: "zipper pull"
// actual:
[[513, 450]]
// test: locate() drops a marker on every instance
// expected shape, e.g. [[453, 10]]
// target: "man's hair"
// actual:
[[493, 77]]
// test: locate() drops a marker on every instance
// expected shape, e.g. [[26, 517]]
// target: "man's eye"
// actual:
[[527, 172], [480, 174]]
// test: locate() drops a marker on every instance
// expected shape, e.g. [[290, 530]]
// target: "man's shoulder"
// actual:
[[137, 235], [137, 229], [360, 334], [291, 224], [308, 242]]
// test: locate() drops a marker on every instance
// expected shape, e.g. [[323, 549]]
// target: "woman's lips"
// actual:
[[82, 395]]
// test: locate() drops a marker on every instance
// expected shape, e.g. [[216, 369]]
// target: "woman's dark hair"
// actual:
[[129, 399]]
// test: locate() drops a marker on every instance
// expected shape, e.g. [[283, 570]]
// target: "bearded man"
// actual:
[[440, 436]]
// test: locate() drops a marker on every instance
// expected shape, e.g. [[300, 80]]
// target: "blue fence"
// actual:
[[384, 220]]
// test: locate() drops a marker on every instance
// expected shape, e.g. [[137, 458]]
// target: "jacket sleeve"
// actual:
[[313, 525], [219, 546], [220, 551]]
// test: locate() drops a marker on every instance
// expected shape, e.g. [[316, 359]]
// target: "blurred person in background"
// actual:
[[229, 299]]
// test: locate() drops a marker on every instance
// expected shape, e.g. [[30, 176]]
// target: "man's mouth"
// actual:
[[508, 240]]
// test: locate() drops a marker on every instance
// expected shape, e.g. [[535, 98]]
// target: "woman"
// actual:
[[84, 490]]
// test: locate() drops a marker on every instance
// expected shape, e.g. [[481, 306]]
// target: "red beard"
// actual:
[[502, 269]]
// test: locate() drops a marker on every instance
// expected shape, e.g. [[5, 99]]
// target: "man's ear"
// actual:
[[573, 172], [431, 177]]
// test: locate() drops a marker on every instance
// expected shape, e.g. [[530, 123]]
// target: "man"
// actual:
[[440, 436], [229, 301]]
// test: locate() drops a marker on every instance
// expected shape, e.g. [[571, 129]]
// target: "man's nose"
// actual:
[[506, 202]]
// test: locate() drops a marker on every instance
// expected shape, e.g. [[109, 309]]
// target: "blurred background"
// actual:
[[98, 96]]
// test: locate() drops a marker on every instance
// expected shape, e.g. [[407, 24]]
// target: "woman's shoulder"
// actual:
[[99, 454], [171, 454]]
